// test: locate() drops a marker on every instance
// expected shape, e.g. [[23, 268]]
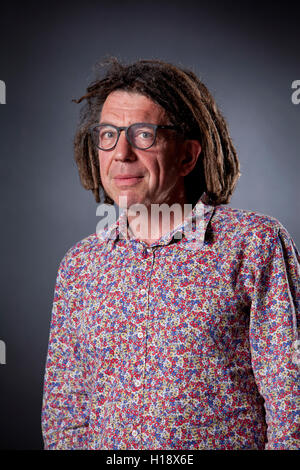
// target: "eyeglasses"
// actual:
[[140, 135]]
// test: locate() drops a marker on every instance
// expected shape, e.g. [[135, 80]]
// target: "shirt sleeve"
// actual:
[[65, 417], [274, 338]]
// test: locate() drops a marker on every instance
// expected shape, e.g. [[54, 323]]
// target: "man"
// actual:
[[176, 331]]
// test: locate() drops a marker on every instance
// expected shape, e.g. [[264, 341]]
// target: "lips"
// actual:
[[127, 180]]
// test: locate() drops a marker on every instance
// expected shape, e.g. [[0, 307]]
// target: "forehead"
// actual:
[[129, 106]]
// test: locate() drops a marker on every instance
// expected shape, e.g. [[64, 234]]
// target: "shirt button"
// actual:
[[137, 383], [143, 291], [134, 433], [140, 334]]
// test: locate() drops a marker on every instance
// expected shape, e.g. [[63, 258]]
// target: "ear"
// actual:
[[191, 151]]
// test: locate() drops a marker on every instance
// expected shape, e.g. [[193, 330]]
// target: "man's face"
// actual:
[[147, 176]]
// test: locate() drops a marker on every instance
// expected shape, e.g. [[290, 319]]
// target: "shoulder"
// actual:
[[79, 256], [245, 221], [253, 236], [248, 229]]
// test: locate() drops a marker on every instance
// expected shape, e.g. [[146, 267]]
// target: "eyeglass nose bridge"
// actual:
[[125, 129]]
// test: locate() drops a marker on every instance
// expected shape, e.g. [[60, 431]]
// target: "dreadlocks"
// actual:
[[189, 105]]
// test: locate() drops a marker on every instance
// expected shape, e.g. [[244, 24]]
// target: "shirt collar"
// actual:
[[191, 230]]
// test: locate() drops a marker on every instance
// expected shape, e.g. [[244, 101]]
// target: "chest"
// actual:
[[179, 303]]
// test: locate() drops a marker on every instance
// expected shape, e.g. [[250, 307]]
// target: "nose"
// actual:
[[123, 149]]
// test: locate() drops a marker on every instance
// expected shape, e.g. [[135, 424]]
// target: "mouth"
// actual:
[[127, 180]]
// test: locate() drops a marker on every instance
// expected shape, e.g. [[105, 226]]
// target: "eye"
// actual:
[[146, 135], [107, 134], [142, 134]]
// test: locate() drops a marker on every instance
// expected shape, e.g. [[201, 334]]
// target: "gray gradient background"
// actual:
[[248, 56]]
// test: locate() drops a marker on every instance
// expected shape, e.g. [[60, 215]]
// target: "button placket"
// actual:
[[138, 377]]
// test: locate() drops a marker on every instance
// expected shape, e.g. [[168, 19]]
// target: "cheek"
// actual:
[[103, 170], [168, 164], [102, 165], [159, 167], [153, 170]]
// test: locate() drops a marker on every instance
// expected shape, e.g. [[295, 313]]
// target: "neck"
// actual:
[[150, 223]]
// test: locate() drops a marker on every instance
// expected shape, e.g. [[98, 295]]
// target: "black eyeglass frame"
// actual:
[[124, 128]]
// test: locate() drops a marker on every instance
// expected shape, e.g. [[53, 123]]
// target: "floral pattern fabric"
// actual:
[[173, 346]]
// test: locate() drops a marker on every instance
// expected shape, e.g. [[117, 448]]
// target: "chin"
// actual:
[[125, 200]]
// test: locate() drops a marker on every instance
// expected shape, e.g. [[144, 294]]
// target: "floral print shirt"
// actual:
[[183, 344]]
